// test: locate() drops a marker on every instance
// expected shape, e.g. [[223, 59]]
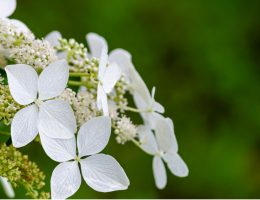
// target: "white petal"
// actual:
[[23, 83], [147, 139], [57, 120], [103, 173], [62, 55], [151, 119], [102, 100], [158, 107], [53, 38], [7, 7], [139, 101], [96, 43], [60, 150], [170, 122], [21, 27], [141, 95], [111, 76], [100, 93], [53, 80], [165, 135], [176, 165], [141, 104], [159, 173], [9, 191], [155, 105], [139, 86], [153, 92], [24, 126], [102, 64], [123, 59], [65, 180], [93, 136]]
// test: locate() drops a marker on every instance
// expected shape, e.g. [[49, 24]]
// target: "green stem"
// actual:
[[136, 143], [77, 74], [76, 83], [81, 83], [4, 133], [133, 109]]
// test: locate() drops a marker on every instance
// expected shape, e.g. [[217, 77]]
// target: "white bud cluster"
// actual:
[[83, 103], [125, 130], [85, 107], [38, 54], [23, 47], [8, 107], [113, 111], [119, 95], [11, 36], [76, 55], [68, 95]]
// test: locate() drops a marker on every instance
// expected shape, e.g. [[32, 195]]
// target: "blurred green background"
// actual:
[[203, 57]]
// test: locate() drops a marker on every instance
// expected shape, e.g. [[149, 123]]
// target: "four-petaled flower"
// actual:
[[163, 146], [107, 78], [101, 172], [42, 114], [137, 87], [119, 56], [149, 108]]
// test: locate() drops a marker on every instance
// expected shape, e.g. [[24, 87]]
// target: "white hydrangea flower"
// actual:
[[163, 146], [124, 60], [107, 77], [136, 86], [119, 56], [7, 8], [101, 172], [9, 191], [142, 97], [42, 113], [149, 107]]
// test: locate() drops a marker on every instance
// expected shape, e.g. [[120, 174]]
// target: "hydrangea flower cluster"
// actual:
[[17, 169], [71, 98]]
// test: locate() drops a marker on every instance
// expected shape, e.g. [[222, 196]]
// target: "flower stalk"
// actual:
[[4, 133]]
